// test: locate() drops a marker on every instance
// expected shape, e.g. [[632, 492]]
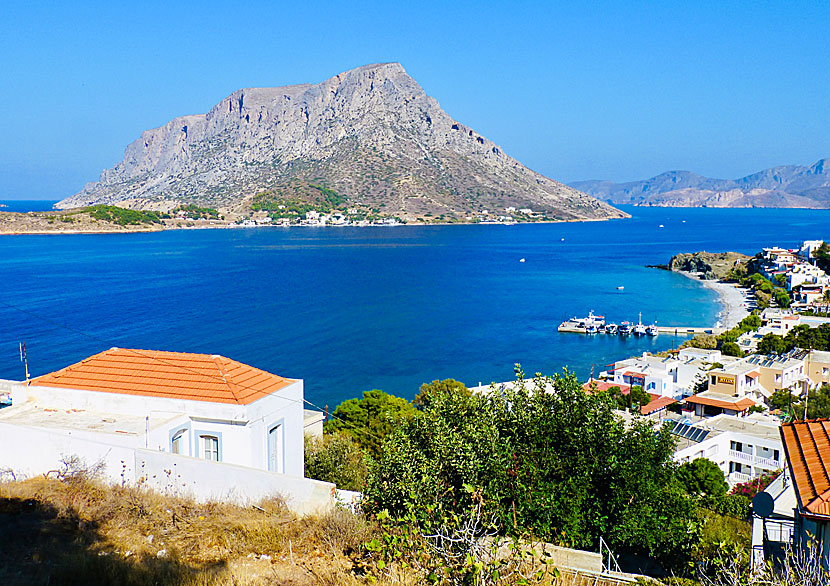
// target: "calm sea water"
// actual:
[[351, 309], [27, 205]]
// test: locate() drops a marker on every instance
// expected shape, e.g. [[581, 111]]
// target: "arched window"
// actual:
[[177, 443]]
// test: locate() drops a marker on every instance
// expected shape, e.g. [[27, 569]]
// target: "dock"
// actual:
[[673, 330], [689, 331]]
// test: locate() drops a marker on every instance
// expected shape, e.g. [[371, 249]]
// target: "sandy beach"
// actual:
[[733, 299]]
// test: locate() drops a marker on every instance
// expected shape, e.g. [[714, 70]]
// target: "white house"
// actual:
[[229, 429], [807, 446], [742, 447]]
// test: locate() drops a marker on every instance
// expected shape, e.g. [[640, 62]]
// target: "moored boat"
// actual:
[[611, 329], [651, 330], [624, 329]]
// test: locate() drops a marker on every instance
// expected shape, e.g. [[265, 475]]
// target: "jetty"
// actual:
[[573, 328]]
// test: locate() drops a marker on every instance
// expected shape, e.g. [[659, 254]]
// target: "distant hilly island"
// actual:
[[789, 186], [368, 140]]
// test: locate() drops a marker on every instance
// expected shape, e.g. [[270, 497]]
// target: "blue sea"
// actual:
[[352, 309]]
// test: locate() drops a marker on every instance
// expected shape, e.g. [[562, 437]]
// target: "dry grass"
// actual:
[[77, 531], [80, 532]]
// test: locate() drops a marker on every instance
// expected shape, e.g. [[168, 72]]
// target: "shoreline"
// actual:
[[732, 299], [237, 227]]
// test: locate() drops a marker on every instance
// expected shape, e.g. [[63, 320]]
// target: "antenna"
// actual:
[[24, 360]]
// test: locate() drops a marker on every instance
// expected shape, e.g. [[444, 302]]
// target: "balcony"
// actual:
[[737, 477], [747, 458]]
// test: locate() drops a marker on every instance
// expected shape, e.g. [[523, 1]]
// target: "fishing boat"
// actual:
[[611, 329], [639, 329], [624, 329], [583, 324], [651, 330]]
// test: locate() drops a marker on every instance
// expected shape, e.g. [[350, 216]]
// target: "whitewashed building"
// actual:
[[742, 447], [229, 430]]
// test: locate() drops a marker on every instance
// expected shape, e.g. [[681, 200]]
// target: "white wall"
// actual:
[[31, 451], [241, 429], [718, 449]]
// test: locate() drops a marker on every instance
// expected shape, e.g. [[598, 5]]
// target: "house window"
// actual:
[[714, 380], [210, 447], [177, 443], [736, 446]]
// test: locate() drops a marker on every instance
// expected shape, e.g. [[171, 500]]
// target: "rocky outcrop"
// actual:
[[372, 135], [709, 265], [790, 186]]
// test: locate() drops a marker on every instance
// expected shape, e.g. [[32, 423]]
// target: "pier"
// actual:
[[673, 330]]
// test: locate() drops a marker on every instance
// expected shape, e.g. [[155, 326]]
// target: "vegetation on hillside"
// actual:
[[726, 342], [124, 217]]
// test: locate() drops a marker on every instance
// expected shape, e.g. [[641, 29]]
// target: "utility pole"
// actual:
[[24, 360]]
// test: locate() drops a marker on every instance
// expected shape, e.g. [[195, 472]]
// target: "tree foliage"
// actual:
[[370, 419], [558, 464], [822, 256], [436, 387], [335, 458], [702, 477]]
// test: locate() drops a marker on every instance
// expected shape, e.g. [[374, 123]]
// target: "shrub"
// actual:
[[335, 458]]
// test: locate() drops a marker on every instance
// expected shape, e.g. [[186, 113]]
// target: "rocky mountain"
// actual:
[[789, 186], [369, 138]]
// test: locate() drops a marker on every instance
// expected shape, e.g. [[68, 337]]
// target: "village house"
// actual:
[[742, 447], [710, 404], [216, 426], [671, 376], [787, 371], [807, 449]]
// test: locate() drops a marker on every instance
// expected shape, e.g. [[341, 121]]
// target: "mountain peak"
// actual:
[[371, 135], [782, 186]]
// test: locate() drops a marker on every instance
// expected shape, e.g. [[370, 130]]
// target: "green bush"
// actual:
[[559, 465], [702, 477], [370, 419], [335, 458]]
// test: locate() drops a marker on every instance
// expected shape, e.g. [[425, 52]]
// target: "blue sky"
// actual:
[[610, 90]]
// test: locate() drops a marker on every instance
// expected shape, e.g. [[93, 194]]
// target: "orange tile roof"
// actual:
[[807, 446], [739, 405], [169, 375], [656, 404], [605, 385]]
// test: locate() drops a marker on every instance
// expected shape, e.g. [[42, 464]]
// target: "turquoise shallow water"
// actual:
[[350, 309]]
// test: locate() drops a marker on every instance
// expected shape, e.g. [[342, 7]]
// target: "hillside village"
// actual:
[[751, 406]]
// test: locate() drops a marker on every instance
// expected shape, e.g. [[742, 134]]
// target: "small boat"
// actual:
[[521, 260], [651, 330], [591, 328], [639, 329], [661, 226], [624, 329], [611, 329], [620, 288]]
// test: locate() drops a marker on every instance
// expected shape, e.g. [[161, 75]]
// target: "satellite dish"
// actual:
[[763, 504]]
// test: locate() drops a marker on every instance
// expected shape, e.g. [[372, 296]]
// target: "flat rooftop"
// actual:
[[30, 414], [759, 426]]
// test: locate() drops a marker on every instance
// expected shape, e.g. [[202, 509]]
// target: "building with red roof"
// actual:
[[134, 409]]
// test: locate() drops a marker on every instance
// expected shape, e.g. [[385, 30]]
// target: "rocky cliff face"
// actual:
[[790, 186], [710, 265], [370, 134]]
